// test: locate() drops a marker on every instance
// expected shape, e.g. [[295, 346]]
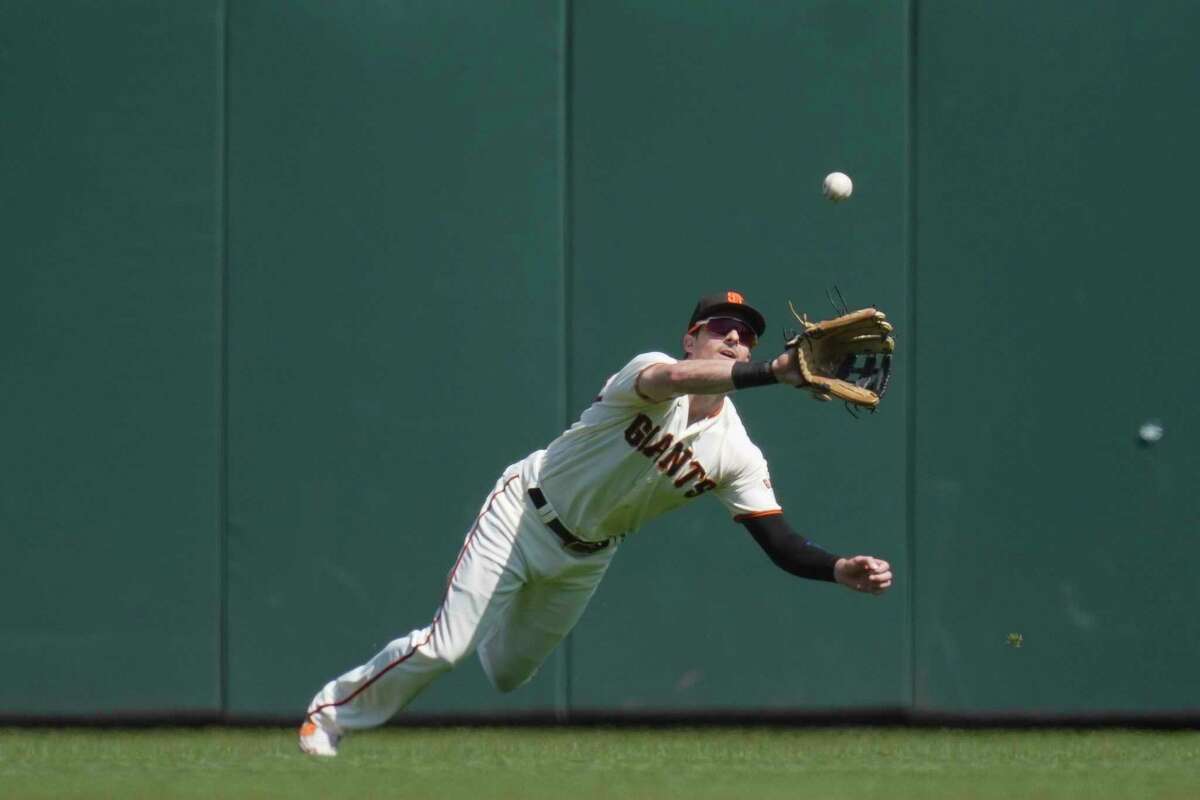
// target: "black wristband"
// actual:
[[754, 373]]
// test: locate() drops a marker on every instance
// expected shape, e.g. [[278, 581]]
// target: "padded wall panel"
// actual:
[[395, 325], [109, 338], [1055, 163]]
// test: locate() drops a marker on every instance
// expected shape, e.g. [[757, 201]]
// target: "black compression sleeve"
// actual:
[[789, 550]]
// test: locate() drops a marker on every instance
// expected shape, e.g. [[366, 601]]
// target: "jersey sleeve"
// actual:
[[622, 389], [750, 493]]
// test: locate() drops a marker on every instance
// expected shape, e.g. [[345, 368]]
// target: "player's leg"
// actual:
[[543, 612], [484, 579]]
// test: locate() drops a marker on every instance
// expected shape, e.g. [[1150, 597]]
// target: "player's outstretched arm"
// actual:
[[715, 376], [706, 376], [793, 553], [790, 551]]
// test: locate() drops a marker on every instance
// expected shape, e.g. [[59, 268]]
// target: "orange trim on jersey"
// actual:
[[756, 514]]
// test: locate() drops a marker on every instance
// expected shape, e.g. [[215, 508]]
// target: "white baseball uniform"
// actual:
[[515, 591]]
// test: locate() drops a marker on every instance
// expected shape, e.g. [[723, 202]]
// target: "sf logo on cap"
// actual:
[[734, 297]]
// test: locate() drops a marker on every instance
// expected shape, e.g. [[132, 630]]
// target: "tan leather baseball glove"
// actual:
[[848, 357]]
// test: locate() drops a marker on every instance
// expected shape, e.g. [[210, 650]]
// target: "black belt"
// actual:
[[570, 542]]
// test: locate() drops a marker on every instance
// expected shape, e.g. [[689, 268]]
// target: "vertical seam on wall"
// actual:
[[223, 369], [911, 398], [563, 700]]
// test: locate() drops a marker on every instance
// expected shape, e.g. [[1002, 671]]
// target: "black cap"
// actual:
[[728, 304]]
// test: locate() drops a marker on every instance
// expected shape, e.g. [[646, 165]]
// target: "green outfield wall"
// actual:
[[111, 323], [1053, 174], [288, 284]]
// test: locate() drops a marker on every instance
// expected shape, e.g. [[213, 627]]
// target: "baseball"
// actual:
[[838, 186]]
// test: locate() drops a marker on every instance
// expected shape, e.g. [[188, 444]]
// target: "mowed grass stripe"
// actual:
[[582, 763]]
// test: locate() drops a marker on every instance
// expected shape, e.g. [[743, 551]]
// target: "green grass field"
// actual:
[[581, 763]]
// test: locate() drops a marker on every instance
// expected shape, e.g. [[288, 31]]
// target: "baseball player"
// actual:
[[660, 433]]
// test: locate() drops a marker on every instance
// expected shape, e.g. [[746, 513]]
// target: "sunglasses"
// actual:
[[721, 326]]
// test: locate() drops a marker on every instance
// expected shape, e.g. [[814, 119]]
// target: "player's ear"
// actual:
[[689, 344]]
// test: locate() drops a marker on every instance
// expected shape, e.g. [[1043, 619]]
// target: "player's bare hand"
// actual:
[[864, 574], [786, 369]]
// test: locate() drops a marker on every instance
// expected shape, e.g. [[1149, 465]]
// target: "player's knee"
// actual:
[[510, 683], [509, 679]]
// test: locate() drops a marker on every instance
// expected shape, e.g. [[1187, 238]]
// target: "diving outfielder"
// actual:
[[660, 433]]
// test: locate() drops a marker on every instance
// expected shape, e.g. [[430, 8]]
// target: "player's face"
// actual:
[[721, 337]]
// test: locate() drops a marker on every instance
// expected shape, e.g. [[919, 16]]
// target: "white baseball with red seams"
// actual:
[[626, 461]]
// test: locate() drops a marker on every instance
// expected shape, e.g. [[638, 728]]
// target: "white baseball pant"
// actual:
[[513, 593]]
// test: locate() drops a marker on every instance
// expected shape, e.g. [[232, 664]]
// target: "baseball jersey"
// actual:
[[629, 459]]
